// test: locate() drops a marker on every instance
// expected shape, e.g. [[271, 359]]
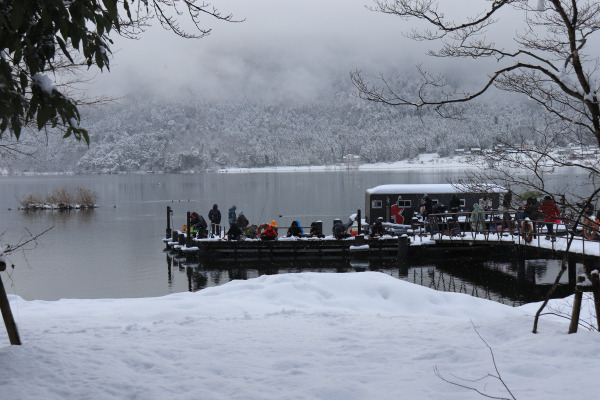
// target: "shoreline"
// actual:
[[429, 161]]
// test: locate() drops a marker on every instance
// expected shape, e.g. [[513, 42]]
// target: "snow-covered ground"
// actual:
[[423, 162], [578, 246], [295, 336]]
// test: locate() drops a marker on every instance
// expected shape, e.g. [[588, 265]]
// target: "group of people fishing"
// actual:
[[240, 227], [237, 223]]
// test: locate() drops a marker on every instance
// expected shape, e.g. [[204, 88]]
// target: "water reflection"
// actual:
[[512, 282], [61, 219]]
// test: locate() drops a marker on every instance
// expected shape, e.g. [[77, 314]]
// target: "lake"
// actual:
[[116, 250]]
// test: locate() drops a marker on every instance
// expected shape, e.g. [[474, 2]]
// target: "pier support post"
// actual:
[[576, 306], [579, 289], [188, 236], [596, 291], [169, 268], [358, 218], [572, 269], [403, 254], [169, 212], [188, 272], [402, 248], [520, 260]]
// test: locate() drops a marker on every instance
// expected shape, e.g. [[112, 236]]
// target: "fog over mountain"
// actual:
[[148, 133], [271, 90]]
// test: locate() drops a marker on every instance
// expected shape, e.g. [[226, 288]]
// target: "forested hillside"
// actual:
[[147, 133]]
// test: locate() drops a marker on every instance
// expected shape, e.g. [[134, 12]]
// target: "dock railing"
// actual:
[[495, 224]]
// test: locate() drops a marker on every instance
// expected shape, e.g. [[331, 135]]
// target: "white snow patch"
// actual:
[[295, 336], [43, 82]]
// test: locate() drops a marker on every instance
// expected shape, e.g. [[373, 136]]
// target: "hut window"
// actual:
[[463, 203], [376, 204], [404, 203]]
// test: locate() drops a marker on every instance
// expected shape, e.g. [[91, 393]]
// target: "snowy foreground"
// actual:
[[296, 336]]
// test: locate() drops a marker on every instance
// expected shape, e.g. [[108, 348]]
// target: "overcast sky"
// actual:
[[284, 46]]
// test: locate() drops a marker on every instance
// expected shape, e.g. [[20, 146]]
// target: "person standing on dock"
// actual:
[[242, 221], [506, 204], [426, 206], [454, 203], [477, 218], [232, 215], [532, 211], [214, 215], [551, 215]]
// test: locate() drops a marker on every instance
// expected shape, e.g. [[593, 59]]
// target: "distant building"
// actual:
[[584, 152], [351, 160]]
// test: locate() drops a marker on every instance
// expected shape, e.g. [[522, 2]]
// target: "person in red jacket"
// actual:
[[551, 215], [268, 231]]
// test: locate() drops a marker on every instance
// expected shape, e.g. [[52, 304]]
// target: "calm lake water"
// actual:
[[116, 250]]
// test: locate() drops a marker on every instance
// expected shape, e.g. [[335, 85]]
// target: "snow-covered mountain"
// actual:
[[146, 133]]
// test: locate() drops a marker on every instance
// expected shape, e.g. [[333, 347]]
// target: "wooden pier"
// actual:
[[422, 240]]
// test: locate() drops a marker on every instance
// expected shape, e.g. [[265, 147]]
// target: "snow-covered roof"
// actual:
[[435, 188]]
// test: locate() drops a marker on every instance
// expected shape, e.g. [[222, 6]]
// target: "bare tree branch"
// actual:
[[552, 64], [8, 249], [467, 385]]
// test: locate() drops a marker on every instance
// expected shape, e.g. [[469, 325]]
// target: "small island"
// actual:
[[60, 199]]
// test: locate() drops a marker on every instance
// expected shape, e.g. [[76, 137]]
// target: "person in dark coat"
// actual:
[[194, 219], [315, 230], [242, 221], [234, 232], [454, 204], [378, 229], [506, 205], [199, 224], [426, 206], [340, 230], [232, 215], [588, 207], [294, 230], [214, 215], [532, 211]]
